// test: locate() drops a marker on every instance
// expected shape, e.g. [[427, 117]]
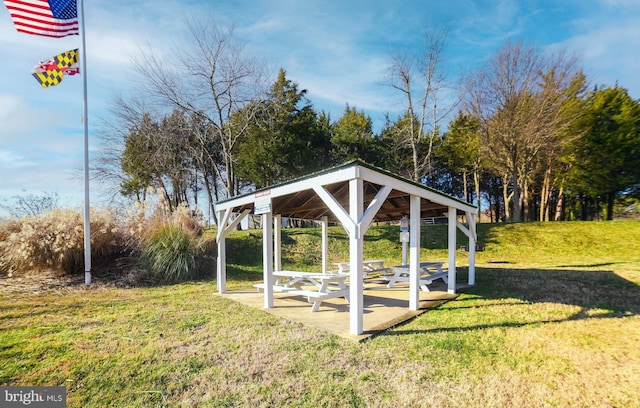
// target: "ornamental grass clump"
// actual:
[[171, 254], [54, 241], [174, 249]]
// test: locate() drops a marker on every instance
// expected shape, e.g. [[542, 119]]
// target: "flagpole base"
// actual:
[[87, 278]]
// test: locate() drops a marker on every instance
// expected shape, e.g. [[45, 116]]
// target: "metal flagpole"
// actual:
[[85, 122]]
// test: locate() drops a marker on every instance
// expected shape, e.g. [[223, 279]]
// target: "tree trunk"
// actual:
[[546, 207], [207, 186], [544, 195], [585, 212], [464, 183], [525, 200], [491, 208], [517, 199], [476, 183], [559, 204], [611, 198], [506, 197]]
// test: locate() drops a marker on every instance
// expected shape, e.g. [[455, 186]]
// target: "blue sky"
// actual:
[[338, 50]]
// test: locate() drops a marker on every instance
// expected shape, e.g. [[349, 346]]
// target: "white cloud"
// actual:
[[609, 48], [12, 160], [488, 25], [20, 118]]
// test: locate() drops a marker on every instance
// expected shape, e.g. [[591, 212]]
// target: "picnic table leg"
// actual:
[[444, 278], [344, 287], [294, 283], [392, 279], [316, 305]]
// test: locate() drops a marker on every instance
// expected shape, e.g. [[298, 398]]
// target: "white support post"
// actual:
[[325, 244], [277, 246], [267, 258], [356, 249], [473, 241], [223, 230], [221, 266], [452, 249], [414, 253]]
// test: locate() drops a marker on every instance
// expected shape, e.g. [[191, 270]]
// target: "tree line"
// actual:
[[528, 138]]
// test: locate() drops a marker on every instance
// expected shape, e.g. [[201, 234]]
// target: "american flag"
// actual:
[[52, 18]]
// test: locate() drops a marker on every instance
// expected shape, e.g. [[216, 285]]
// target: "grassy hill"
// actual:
[[554, 320], [531, 244]]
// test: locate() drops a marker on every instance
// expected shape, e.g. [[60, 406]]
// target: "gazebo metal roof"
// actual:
[[306, 204]]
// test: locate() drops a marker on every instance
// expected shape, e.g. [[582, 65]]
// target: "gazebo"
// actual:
[[354, 194]]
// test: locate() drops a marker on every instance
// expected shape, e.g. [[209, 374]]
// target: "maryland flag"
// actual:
[[50, 73]]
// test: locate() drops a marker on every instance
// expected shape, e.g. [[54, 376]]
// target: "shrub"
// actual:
[[173, 254]]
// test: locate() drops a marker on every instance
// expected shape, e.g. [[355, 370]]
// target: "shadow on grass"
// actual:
[[595, 265], [599, 294]]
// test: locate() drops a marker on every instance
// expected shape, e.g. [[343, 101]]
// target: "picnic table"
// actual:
[[429, 271], [368, 267], [323, 285]]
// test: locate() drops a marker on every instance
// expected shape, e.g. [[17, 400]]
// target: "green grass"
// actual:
[[554, 321]]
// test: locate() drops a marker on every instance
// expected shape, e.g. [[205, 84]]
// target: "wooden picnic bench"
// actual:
[[429, 271], [329, 285]]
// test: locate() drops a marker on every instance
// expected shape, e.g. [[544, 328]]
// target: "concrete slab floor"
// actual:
[[383, 307]]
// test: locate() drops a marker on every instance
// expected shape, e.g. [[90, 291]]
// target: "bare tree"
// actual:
[[527, 103], [125, 117], [422, 83], [20, 206], [210, 81]]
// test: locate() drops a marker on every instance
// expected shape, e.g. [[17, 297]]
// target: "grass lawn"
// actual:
[[554, 321]]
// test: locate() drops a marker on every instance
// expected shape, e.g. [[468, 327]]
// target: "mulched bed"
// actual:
[[123, 272]]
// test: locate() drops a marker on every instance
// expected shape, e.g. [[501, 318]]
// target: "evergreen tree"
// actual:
[[284, 141], [606, 160], [460, 151], [136, 161], [352, 138]]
